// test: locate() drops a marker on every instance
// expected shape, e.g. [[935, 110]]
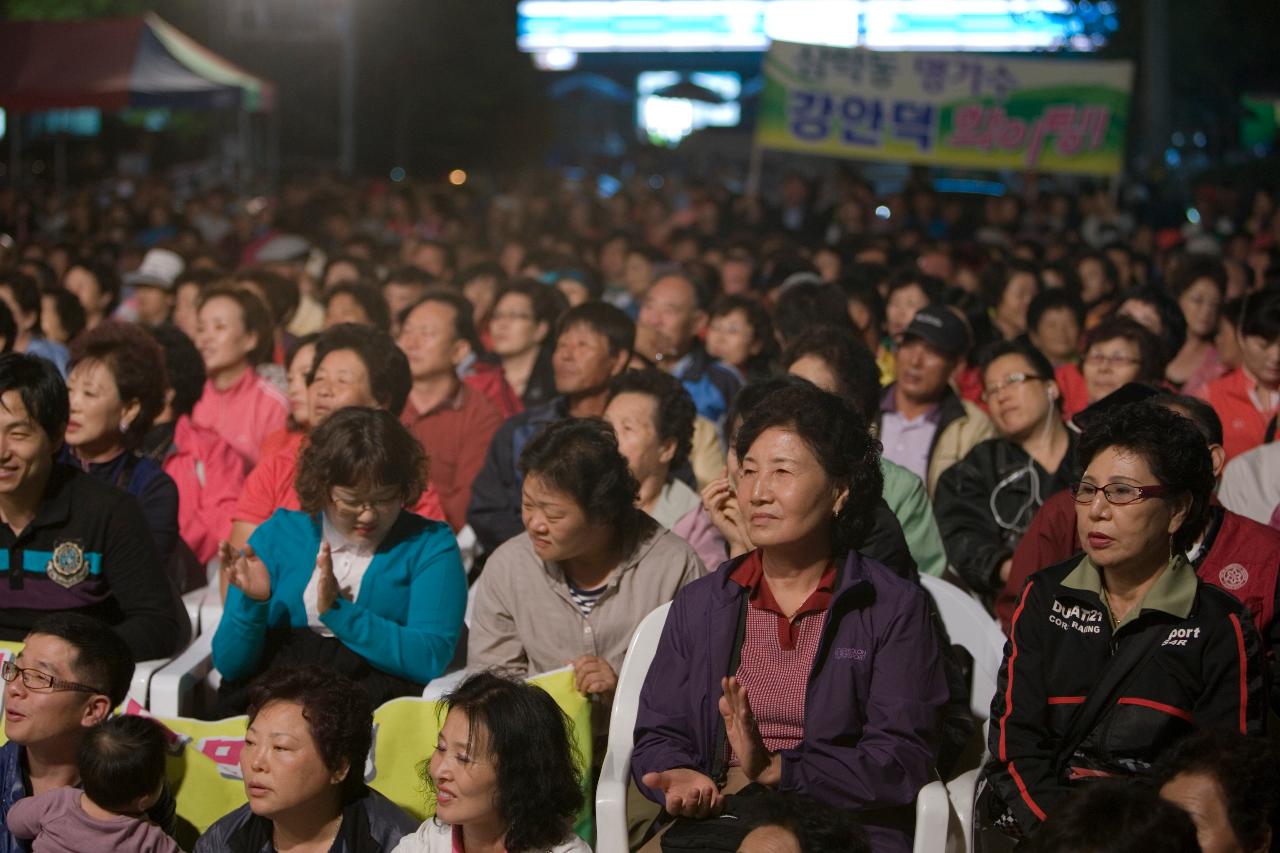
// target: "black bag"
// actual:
[[742, 813]]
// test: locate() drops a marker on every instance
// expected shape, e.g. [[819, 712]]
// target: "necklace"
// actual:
[[1111, 613]]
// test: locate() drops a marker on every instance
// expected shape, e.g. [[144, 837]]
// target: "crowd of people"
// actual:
[[400, 430]]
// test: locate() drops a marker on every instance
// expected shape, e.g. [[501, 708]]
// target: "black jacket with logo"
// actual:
[[1206, 671]]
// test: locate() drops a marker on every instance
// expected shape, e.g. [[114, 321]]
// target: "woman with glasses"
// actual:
[[520, 327], [353, 581], [1118, 351], [1115, 656], [986, 500]]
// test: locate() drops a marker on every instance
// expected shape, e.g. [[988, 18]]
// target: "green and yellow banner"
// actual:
[[946, 109]]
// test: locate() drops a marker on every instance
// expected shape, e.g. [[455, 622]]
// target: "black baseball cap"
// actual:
[[939, 327]]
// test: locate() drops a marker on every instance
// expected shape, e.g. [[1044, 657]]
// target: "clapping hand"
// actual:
[[744, 735], [688, 793], [244, 571], [327, 589]]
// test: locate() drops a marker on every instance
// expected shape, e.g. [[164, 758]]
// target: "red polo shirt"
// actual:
[[1234, 398]]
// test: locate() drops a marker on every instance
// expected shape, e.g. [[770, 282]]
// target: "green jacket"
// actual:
[[905, 494]]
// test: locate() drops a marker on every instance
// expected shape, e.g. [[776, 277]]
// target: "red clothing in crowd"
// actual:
[[489, 380], [269, 487], [1075, 392], [243, 414], [1243, 557], [1244, 425], [456, 436], [210, 477]]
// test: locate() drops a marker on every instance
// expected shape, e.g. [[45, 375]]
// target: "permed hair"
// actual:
[[852, 364], [136, 363], [368, 297], [357, 446], [673, 408], [526, 735], [121, 761], [386, 364], [337, 712], [1151, 361], [580, 457], [1172, 447], [838, 437]]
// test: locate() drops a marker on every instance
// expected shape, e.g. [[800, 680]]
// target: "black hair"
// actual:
[[43, 392], [338, 714], [609, 321], [8, 328], [450, 257], [107, 278], [1109, 272], [255, 317], [410, 275], [365, 269], [102, 661], [817, 826], [1247, 771], [522, 729], [580, 457], [1114, 816], [852, 364], [464, 325], [995, 279], [1173, 325], [26, 293], [861, 285], [703, 291], [803, 306], [761, 327], [1195, 268], [367, 297], [360, 446], [387, 365], [547, 303], [70, 312], [933, 288], [279, 291], [1151, 361], [1260, 314], [1198, 411], [837, 435], [121, 761], [299, 343], [483, 269], [1172, 447], [1054, 299], [136, 364], [673, 410], [184, 367], [580, 274], [1040, 365]]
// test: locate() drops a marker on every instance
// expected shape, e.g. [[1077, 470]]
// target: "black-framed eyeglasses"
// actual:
[[34, 679], [1009, 381], [1118, 494]]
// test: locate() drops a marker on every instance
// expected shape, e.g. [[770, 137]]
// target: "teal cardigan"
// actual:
[[406, 620]]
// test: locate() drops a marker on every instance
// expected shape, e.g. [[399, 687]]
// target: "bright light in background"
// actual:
[[882, 212], [457, 177], [666, 121], [397, 174], [1193, 216], [556, 59]]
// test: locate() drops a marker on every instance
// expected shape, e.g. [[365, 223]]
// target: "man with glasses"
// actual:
[[72, 671], [69, 542]]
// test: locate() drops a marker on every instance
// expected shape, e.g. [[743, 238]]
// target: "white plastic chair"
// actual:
[[611, 792], [936, 829], [972, 627]]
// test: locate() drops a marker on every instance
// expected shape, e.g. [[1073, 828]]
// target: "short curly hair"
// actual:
[[357, 446], [137, 365], [390, 379], [851, 363], [837, 435], [1151, 360], [368, 297], [580, 457], [1172, 447], [338, 714], [529, 738], [673, 410]]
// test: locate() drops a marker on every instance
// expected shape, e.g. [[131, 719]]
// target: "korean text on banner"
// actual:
[[946, 109]]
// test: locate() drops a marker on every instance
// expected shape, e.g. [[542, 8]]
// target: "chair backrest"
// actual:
[[611, 793], [977, 631]]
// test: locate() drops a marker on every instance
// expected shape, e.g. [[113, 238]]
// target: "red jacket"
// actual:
[[1242, 557], [209, 475], [489, 381], [1244, 427]]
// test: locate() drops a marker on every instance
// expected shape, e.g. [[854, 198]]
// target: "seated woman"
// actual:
[[792, 637], [303, 761], [986, 500], [353, 581], [652, 415], [1117, 351], [502, 773], [116, 384], [589, 566], [1114, 657]]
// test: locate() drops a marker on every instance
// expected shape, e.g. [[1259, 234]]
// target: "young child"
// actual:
[[122, 770]]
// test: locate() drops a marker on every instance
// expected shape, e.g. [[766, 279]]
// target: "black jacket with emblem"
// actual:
[[1204, 669]]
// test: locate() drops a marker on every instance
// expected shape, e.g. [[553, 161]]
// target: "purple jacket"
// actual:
[[873, 703]]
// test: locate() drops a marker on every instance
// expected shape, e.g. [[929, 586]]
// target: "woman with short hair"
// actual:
[[354, 580], [826, 666], [309, 733], [503, 773], [1114, 657]]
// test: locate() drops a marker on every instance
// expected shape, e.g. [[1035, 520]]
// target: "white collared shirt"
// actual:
[[350, 561]]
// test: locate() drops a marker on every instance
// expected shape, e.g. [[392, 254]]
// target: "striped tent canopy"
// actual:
[[114, 63]]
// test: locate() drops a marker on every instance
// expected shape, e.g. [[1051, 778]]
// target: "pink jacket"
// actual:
[[243, 414], [210, 476]]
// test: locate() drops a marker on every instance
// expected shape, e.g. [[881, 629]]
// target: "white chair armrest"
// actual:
[[143, 671], [933, 821], [611, 803], [962, 790], [467, 542], [172, 685], [192, 601], [437, 687]]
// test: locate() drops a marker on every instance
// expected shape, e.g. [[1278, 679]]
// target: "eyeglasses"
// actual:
[[34, 679], [1101, 358], [1009, 381], [355, 507], [1118, 494]]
